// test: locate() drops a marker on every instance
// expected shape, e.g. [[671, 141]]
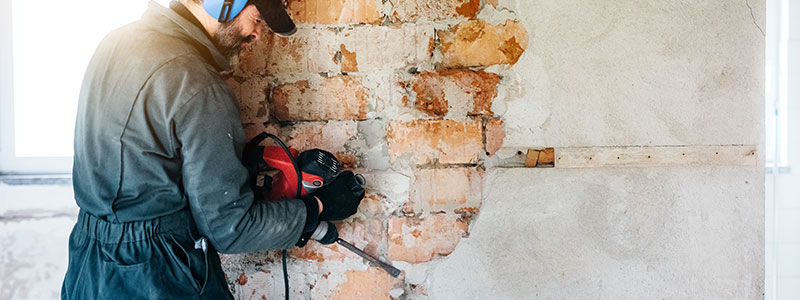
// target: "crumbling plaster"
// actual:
[[624, 73]]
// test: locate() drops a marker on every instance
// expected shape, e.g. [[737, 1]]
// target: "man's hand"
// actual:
[[340, 199]]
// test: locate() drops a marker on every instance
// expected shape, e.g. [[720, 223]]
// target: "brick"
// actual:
[[367, 234], [372, 283], [349, 60], [307, 51], [335, 11], [476, 43], [252, 97], [373, 205], [317, 252], [382, 48], [417, 240], [463, 92], [348, 161], [252, 130], [242, 279], [448, 141], [455, 190], [416, 10], [335, 98], [330, 136], [495, 134]]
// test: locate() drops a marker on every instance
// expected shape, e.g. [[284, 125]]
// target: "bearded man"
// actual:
[[157, 170]]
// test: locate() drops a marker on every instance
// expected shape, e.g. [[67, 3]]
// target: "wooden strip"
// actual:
[[662, 156], [630, 156], [543, 158]]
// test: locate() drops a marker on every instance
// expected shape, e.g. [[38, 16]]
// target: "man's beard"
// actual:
[[229, 39]]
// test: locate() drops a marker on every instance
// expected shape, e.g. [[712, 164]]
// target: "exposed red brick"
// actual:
[[335, 11], [252, 130], [395, 47], [457, 190], [330, 136], [365, 233], [469, 9], [430, 94], [438, 235], [348, 161], [314, 251], [242, 279], [349, 60], [307, 253], [373, 283], [437, 91], [336, 98], [495, 134], [415, 10], [477, 43], [372, 205], [307, 51], [449, 142]]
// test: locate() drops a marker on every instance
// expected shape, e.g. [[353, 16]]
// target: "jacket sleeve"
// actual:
[[211, 139]]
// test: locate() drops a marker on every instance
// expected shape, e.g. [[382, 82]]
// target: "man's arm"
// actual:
[[211, 137]]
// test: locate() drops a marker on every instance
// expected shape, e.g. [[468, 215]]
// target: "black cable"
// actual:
[[291, 158], [299, 192], [285, 277]]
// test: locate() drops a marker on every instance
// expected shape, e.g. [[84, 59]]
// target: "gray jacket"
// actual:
[[158, 131]]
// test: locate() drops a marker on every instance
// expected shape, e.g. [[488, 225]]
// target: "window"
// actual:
[[777, 143], [46, 46], [782, 207]]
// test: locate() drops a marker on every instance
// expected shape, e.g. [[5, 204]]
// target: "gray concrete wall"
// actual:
[[625, 73]]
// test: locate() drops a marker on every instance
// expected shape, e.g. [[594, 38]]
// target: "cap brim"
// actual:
[[276, 17]]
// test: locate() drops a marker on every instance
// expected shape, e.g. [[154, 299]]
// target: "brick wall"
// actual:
[[402, 91]]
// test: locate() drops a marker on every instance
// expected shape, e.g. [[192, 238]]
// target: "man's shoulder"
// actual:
[[176, 64], [139, 41]]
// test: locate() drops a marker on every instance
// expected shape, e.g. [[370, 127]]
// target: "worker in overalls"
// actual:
[[157, 171]]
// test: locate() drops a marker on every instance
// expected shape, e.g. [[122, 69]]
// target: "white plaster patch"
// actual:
[[459, 103], [393, 185]]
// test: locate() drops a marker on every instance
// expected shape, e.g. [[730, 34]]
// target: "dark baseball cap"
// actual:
[[273, 12]]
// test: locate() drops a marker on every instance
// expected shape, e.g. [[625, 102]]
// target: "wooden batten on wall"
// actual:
[[634, 156]]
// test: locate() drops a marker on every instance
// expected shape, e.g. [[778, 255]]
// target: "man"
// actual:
[[157, 170]]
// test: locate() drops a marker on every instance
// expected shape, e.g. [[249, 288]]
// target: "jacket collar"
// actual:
[[169, 22]]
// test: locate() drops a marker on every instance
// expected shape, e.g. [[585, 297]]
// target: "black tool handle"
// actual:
[[387, 267]]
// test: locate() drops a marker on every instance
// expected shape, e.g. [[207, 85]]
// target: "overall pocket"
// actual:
[[127, 271], [191, 263]]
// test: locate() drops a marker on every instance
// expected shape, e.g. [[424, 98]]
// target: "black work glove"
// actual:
[[341, 198], [329, 236]]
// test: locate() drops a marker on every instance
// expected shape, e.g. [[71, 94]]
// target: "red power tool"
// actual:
[[315, 168], [274, 173]]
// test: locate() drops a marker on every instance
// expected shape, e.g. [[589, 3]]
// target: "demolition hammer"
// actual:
[[295, 174]]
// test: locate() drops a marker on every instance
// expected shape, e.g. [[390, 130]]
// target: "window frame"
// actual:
[[10, 163]]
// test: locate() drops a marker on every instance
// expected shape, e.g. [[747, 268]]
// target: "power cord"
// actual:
[[258, 140]]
